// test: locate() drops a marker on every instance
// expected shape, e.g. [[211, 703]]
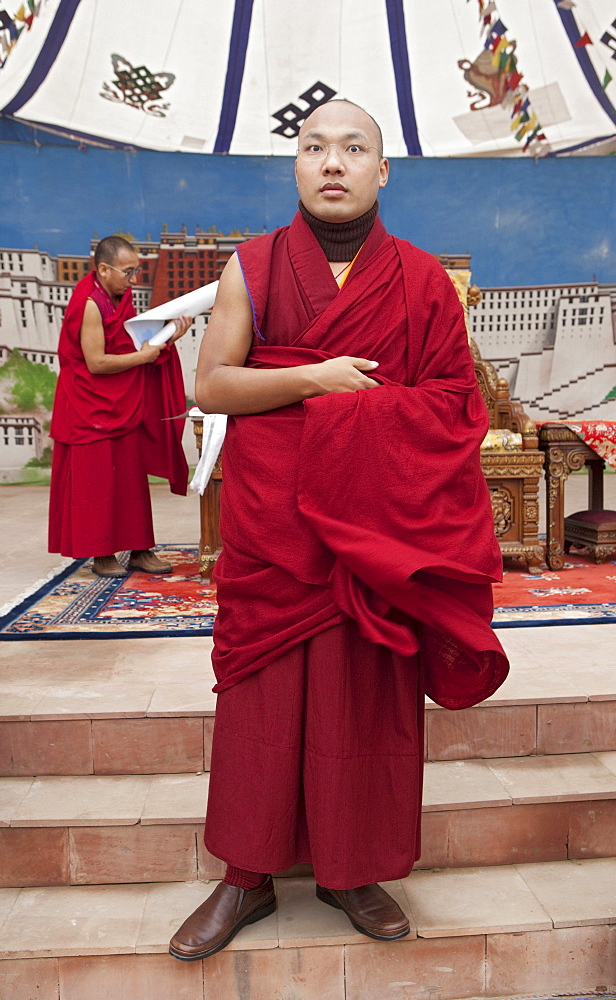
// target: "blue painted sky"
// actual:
[[524, 222]]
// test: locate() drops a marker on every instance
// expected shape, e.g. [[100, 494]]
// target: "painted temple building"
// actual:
[[555, 344]]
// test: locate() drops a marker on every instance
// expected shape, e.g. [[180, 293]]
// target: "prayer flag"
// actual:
[[497, 29], [528, 126], [504, 61], [7, 23], [499, 48], [508, 99], [486, 26], [513, 80], [607, 79], [584, 40], [532, 136]]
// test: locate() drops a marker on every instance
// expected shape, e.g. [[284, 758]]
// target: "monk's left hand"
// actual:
[[182, 325]]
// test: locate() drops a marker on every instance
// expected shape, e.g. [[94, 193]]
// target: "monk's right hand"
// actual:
[[343, 375], [149, 352]]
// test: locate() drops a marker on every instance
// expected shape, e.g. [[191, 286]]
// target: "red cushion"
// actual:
[[603, 518]]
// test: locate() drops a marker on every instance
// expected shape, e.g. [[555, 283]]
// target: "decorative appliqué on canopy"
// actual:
[[291, 117], [137, 87]]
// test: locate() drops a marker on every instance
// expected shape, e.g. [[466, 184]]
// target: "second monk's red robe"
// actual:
[[368, 505], [101, 422]]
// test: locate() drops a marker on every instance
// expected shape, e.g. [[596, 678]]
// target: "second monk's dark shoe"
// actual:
[[370, 909], [216, 922]]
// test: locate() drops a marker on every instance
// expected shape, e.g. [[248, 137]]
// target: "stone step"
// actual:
[[162, 733], [149, 828], [147, 707], [477, 932]]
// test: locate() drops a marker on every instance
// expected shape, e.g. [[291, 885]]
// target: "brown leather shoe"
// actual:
[[147, 562], [370, 909], [220, 917], [108, 566]]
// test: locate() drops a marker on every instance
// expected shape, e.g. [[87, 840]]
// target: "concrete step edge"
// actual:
[[121, 919], [153, 799]]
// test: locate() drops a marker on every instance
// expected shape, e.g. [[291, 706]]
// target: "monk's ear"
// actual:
[[295, 173], [384, 172]]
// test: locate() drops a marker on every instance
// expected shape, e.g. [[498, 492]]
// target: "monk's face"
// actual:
[[338, 169], [118, 276]]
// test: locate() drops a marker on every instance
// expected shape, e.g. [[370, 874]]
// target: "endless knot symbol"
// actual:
[[137, 87], [291, 117]]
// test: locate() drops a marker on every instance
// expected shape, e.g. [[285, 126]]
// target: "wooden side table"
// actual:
[[210, 542], [565, 452]]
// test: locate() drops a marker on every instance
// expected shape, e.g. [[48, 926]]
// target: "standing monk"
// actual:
[[358, 543], [107, 422]]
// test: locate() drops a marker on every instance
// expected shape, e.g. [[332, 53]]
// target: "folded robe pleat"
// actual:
[[319, 759]]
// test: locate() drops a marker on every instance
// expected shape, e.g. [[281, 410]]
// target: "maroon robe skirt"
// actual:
[[99, 501], [318, 758]]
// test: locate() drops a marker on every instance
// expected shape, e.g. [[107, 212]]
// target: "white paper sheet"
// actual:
[[214, 427], [154, 326]]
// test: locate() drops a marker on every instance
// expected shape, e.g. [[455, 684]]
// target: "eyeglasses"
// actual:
[[320, 150], [128, 272]]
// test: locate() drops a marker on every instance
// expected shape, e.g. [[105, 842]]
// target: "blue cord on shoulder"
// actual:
[[252, 305]]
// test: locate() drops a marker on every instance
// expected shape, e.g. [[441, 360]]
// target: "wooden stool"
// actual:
[[595, 529], [565, 452]]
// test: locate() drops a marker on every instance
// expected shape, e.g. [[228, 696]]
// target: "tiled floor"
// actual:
[[23, 519]]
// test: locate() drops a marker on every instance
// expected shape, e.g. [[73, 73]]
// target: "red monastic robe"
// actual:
[[358, 556], [110, 433]]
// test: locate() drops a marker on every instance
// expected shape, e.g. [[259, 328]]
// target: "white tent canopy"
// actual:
[[443, 77]]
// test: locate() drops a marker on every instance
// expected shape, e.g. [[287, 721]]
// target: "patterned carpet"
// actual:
[[75, 604], [78, 605], [562, 996], [579, 593]]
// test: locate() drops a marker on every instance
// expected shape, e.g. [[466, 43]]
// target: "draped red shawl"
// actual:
[[372, 504], [89, 407]]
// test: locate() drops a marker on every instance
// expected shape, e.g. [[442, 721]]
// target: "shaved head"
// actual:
[[341, 111], [110, 248], [340, 165]]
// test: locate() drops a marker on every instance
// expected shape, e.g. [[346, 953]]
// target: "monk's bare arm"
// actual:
[[92, 339], [223, 385]]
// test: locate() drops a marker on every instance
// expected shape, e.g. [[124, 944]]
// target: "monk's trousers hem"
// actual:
[[318, 758], [100, 498]]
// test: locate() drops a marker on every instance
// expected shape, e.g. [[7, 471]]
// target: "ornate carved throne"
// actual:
[[510, 457], [512, 464]]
